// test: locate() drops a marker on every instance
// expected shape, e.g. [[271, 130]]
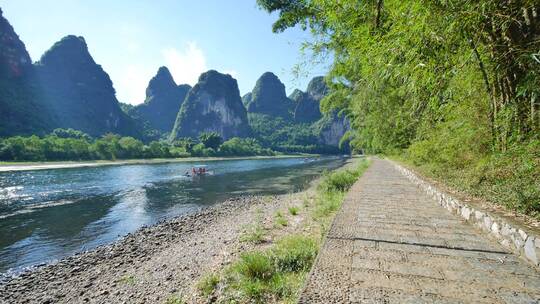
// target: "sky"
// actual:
[[131, 39]]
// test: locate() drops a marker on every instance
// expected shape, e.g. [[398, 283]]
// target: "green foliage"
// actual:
[[293, 210], [75, 145], [185, 143], [276, 273], [243, 147], [69, 144], [284, 136], [128, 280], [175, 300], [333, 187], [509, 178], [70, 133], [211, 140], [280, 220], [208, 284], [294, 253], [253, 233], [342, 180], [452, 86], [255, 266]]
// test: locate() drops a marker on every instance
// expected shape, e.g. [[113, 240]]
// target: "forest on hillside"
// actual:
[[451, 87], [64, 107]]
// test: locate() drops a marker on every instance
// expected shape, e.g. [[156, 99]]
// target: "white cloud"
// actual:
[[132, 84], [185, 65]]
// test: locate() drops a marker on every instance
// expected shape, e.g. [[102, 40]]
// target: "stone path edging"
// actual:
[[522, 242]]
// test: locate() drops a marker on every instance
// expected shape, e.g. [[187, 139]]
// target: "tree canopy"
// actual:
[[453, 85]]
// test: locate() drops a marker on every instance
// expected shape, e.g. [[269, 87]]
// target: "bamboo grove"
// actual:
[[450, 85]]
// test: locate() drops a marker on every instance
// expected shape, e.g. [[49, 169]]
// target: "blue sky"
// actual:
[[132, 39]]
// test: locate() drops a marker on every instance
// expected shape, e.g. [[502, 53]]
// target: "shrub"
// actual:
[[328, 203], [294, 253], [211, 140], [342, 180], [255, 265]]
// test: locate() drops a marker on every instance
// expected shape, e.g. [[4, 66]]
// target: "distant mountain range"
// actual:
[[66, 88]]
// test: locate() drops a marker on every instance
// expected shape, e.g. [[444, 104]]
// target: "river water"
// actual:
[[49, 214]]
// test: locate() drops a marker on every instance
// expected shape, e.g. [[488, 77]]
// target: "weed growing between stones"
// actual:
[[207, 284], [280, 220], [254, 233], [127, 279], [276, 274], [177, 299], [332, 189], [293, 210]]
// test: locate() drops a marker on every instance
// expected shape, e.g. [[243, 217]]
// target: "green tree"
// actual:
[[451, 86], [211, 140], [71, 133], [130, 147]]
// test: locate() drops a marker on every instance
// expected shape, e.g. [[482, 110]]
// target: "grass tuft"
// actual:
[[175, 300], [294, 253], [208, 284], [128, 279], [255, 266], [293, 210], [254, 233], [280, 220]]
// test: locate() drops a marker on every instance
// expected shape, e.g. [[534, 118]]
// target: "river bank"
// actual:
[[28, 166], [163, 263], [148, 266]]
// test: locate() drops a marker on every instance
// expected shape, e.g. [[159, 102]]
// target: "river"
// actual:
[[49, 214]]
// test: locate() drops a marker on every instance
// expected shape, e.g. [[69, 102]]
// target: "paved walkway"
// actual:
[[391, 243]]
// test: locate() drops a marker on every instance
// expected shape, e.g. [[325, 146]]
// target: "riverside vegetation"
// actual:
[[284, 248], [450, 87], [69, 144]]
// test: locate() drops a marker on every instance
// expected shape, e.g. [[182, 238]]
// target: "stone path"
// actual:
[[391, 243]]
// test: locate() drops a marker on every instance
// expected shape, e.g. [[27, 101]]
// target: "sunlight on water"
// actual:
[[46, 215]]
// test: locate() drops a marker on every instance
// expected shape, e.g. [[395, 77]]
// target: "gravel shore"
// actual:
[[149, 266]]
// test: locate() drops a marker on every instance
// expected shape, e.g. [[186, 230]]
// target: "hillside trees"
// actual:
[[450, 85]]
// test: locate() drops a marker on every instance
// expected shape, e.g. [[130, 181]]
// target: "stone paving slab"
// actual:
[[392, 243]]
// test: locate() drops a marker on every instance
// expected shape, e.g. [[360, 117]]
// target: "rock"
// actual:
[[531, 250], [307, 108], [523, 234], [212, 105], [247, 98], [507, 230], [466, 213], [495, 229], [332, 127], [79, 92], [269, 97], [163, 101], [478, 215], [21, 111], [487, 223], [518, 243]]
